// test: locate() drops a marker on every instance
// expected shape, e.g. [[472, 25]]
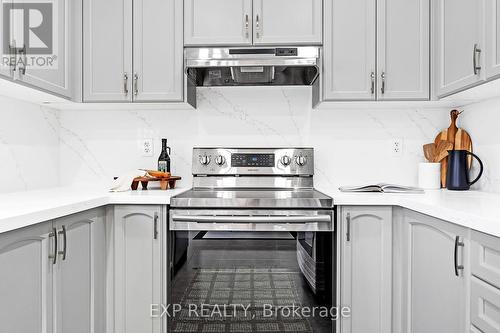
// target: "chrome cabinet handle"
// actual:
[[372, 77], [155, 228], [53, 234], [136, 84], [348, 227], [457, 266], [247, 26], [382, 88], [24, 61], [475, 59], [257, 26], [125, 84], [63, 233], [12, 53]]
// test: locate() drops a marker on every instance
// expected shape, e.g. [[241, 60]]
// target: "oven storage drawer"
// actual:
[[251, 220]]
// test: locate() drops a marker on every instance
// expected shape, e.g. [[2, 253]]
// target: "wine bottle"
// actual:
[[164, 159]]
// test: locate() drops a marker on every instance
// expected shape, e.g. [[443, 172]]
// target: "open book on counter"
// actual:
[[382, 188]]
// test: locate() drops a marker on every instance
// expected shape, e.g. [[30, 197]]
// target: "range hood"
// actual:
[[256, 66]]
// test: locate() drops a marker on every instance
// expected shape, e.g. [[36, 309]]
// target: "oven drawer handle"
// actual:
[[251, 219]]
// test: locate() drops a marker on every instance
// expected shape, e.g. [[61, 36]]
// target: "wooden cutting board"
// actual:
[[450, 135], [463, 141], [443, 135], [460, 139]]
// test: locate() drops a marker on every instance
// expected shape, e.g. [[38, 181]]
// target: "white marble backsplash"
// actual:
[[352, 146], [29, 146], [482, 121]]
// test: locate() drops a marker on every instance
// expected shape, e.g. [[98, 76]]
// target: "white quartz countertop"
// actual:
[[21, 209], [476, 210]]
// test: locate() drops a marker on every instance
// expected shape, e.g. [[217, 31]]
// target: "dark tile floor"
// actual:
[[249, 270]]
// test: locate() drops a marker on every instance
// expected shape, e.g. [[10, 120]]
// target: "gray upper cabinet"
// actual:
[[435, 273], [366, 269], [252, 22], [349, 50], [58, 79], [403, 47], [492, 38], [80, 273], [218, 22], [288, 22], [59, 71], [143, 61], [26, 274], [139, 260], [6, 70], [158, 51], [460, 44], [395, 32], [107, 61]]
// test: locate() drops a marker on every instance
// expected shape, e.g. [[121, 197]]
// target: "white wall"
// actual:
[[29, 146], [352, 146], [482, 120]]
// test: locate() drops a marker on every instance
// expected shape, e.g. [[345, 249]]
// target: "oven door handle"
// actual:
[[251, 219]]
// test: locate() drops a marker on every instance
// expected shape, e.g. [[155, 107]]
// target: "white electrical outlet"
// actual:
[[147, 147], [397, 147]]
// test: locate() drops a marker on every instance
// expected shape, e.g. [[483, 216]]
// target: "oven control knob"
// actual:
[[286, 160], [301, 160], [220, 160], [205, 160]]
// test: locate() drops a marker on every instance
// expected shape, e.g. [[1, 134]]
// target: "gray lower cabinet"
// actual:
[[434, 275], [54, 272], [139, 268], [366, 268], [79, 273], [485, 283], [26, 275]]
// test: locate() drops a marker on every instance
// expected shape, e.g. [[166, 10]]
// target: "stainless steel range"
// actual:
[[255, 211]]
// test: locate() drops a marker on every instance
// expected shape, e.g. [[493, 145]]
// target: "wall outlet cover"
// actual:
[[147, 147], [397, 147]]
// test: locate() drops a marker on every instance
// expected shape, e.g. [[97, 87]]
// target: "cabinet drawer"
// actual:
[[485, 257], [485, 306]]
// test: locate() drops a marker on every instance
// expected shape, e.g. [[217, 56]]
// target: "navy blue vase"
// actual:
[[457, 178]]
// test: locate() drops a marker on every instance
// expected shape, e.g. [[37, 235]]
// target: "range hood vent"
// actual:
[[224, 67]]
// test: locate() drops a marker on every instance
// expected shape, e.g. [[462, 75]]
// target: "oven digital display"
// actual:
[[252, 160]]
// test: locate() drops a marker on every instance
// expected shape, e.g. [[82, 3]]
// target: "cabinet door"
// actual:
[[349, 50], [288, 21], [403, 46], [460, 31], [138, 267], [26, 275], [5, 40], [158, 50], [435, 297], [218, 22], [79, 277], [492, 38], [366, 269], [54, 74], [107, 60]]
